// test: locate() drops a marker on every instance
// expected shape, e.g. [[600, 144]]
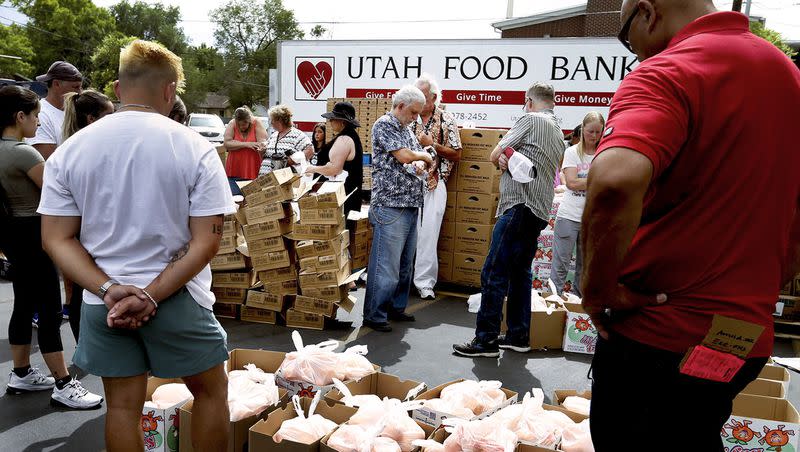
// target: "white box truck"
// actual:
[[483, 82]]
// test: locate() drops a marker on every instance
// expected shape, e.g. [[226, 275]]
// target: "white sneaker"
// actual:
[[75, 396], [34, 381], [427, 294]]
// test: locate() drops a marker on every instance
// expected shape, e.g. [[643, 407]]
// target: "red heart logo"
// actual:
[[314, 78]]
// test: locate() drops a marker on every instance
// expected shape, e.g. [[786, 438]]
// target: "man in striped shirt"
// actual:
[[522, 214]]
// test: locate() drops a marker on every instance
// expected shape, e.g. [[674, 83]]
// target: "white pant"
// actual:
[[426, 266]]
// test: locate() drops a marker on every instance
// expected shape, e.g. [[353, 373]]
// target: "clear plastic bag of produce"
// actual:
[[302, 429]]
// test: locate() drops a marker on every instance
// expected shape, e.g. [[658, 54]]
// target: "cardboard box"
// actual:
[[267, 245], [335, 293], [380, 384], [358, 221], [362, 249], [271, 179], [272, 260], [227, 244], [477, 177], [316, 231], [330, 215], [238, 431], [275, 193], [226, 311], [266, 229], [360, 261], [775, 373], [467, 269], [765, 388], [452, 181], [235, 280], [266, 300], [580, 335], [473, 238], [445, 265], [262, 433], [546, 330], [361, 237], [450, 207], [305, 320], [478, 144], [160, 426], [231, 261], [324, 307], [229, 295], [329, 278], [281, 287], [447, 237], [312, 248], [434, 418], [256, 315], [476, 208], [329, 194], [230, 225], [278, 275], [318, 264], [788, 307], [263, 213], [761, 423], [559, 395]]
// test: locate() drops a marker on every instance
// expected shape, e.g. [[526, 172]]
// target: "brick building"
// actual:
[[595, 18]]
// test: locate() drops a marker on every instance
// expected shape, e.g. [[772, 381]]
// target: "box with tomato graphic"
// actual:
[[580, 335], [761, 424], [160, 425]]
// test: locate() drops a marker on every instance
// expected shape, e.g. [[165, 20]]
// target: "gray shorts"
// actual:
[[183, 339]]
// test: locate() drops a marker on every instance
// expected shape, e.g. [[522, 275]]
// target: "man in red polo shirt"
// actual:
[[691, 215]]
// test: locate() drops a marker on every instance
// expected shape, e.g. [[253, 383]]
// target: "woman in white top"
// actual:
[[566, 233], [285, 142]]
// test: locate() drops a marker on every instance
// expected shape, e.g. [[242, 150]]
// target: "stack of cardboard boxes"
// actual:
[[323, 252], [360, 237], [472, 196], [232, 274]]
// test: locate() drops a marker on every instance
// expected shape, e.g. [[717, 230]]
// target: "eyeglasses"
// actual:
[[623, 32]]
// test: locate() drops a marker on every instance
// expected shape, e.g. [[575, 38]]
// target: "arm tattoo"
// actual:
[[179, 254], [216, 229]]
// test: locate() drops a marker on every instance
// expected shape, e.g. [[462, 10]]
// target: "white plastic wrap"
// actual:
[[485, 435], [577, 404], [477, 396], [318, 364], [250, 392], [353, 365], [169, 395], [355, 400], [304, 430], [577, 438]]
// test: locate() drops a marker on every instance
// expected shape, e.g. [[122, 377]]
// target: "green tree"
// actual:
[[248, 34], [204, 67], [64, 30], [105, 62], [14, 42], [151, 22], [318, 31], [772, 36]]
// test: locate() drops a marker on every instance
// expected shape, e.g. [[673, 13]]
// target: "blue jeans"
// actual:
[[507, 272], [391, 261]]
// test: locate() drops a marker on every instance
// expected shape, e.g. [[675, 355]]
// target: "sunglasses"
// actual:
[[623, 32]]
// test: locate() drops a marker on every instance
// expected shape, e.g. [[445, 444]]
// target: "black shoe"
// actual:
[[515, 345], [381, 327], [477, 349], [401, 317]]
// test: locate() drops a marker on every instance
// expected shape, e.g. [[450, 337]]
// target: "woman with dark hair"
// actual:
[[343, 153], [36, 285], [80, 110], [178, 113], [318, 140]]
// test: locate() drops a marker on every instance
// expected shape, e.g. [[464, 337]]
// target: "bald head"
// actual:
[[653, 23]]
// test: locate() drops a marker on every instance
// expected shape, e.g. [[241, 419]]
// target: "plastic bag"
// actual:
[[393, 414], [315, 364], [478, 397], [358, 438], [443, 406], [247, 397], [474, 303], [304, 430], [429, 445], [169, 395], [254, 374], [353, 365], [485, 435], [578, 405], [355, 400], [577, 438], [529, 422]]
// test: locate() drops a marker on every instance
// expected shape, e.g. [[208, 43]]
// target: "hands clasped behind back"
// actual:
[[128, 307]]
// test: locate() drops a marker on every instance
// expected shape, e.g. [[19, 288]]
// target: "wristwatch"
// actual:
[[106, 285]]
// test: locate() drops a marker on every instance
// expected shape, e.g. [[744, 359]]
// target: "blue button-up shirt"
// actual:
[[392, 184]]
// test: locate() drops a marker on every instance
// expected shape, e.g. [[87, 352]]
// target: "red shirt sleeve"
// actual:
[[650, 115]]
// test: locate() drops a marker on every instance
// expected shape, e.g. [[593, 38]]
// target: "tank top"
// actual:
[[243, 163], [354, 168]]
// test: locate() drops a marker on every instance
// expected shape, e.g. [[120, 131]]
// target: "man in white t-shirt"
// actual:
[[147, 196], [61, 78]]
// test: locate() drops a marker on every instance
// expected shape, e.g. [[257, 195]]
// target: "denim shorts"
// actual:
[[182, 340]]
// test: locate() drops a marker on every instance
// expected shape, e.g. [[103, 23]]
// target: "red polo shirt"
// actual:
[[715, 113]]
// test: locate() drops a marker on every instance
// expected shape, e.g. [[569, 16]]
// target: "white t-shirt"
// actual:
[[135, 178], [51, 120], [571, 207]]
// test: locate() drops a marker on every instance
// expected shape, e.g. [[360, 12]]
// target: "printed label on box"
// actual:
[[580, 335]]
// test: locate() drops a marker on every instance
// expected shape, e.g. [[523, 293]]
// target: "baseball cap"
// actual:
[[61, 70]]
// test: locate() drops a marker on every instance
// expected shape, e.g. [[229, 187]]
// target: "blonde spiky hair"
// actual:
[[150, 60]]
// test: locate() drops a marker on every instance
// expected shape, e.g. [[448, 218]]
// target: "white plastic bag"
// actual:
[[577, 438], [477, 396], [578, 405], [353, 365], [519, 166], [315, 364], [355, 400], [485, 435], [429, 445], [304, 430], [169, 395], [474, 303]]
